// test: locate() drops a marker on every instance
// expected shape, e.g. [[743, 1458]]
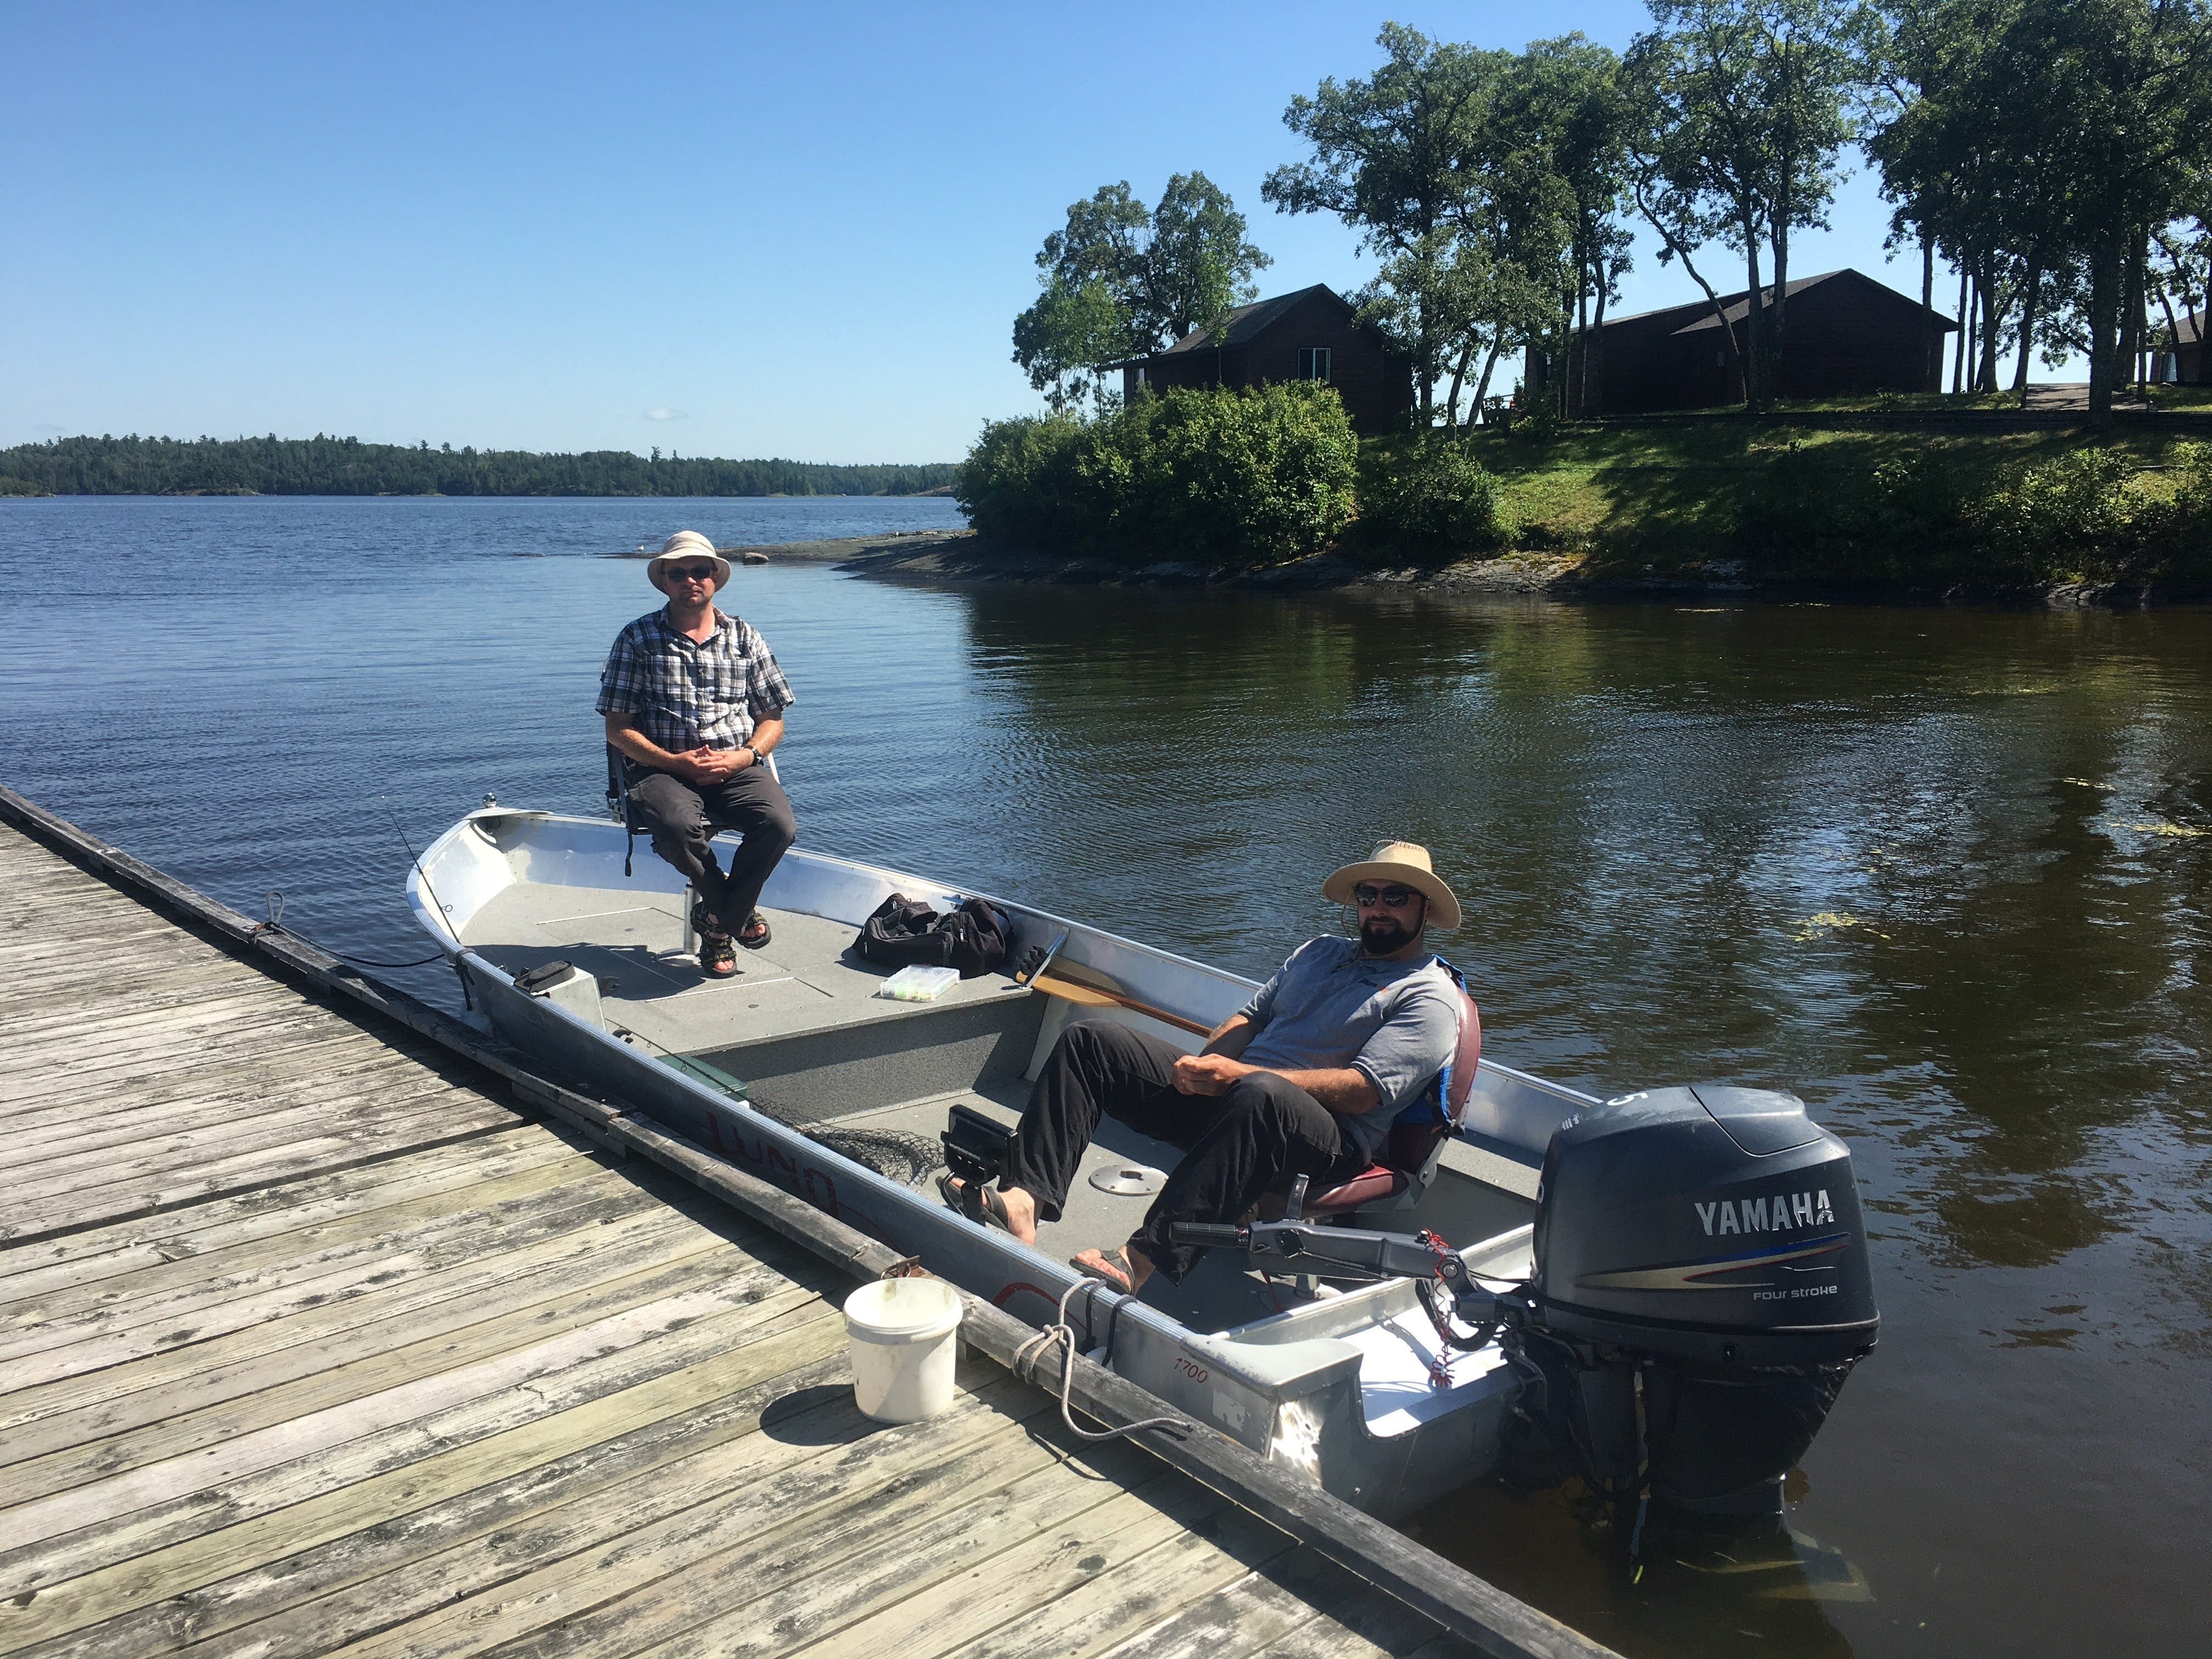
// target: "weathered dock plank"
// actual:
[[313, 1341], [93, 1253]]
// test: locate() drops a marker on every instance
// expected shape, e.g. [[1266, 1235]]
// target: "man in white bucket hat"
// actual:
[[1306, 1079], [693, 699]]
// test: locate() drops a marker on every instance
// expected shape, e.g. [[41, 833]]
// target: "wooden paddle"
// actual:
[[1054, 983]]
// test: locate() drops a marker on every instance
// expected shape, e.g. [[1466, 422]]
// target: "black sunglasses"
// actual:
[[1367, 894], [690, 573]]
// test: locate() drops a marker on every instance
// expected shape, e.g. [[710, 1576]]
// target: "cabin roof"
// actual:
[[1245, 322], [1736, 307]]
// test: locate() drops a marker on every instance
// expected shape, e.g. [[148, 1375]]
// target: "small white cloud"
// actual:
[[665, 413]]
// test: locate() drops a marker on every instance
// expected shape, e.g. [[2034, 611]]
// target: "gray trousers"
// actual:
[[683, 817]]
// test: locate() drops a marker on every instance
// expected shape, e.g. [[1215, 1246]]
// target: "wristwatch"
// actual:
[[757, 758]]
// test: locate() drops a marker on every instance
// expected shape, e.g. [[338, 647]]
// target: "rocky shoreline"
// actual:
[[959, 555]]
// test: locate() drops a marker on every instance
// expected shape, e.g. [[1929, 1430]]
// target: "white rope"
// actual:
[[1030, 1356]]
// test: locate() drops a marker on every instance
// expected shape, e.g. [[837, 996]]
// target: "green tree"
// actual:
[[1747, 104], [1965, 89], [2055, 147], [1196, 265], [346, 466], [1119, 280], [1395, 157], [1664, 189], [1069, 338], [1464, 286], [1568, 112]]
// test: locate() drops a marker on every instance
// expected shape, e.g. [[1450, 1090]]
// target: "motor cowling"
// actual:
[[1700, 1292]]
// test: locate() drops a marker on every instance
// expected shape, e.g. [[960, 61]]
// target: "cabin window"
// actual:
[[1143, 374], [1313, 362]]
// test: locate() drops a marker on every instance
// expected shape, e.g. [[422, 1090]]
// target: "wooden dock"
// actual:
[[312, 1339]]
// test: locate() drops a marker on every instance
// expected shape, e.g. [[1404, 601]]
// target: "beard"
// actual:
[[1381, 935]]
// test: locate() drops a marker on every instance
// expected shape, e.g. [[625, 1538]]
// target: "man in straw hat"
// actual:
[[1304, 1080], [694, 699]]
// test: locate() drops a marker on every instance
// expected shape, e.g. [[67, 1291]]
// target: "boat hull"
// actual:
[[1337, 1388]]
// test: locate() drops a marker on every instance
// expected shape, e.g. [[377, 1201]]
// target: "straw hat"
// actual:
[[1403, 862], [687, 544]]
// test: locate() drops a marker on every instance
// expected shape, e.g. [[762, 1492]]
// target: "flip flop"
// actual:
[[1104, 1271], [989, 1208]]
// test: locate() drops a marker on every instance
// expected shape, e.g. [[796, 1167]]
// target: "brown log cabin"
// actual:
[[1314, 334], [1846, 335]]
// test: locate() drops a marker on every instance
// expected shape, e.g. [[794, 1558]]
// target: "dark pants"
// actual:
[[1236, 1146], [682, 820]]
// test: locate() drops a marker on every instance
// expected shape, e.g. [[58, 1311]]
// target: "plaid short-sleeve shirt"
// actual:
[[684, 694]]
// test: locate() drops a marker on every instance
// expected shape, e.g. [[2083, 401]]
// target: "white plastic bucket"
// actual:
[[902, 1334]]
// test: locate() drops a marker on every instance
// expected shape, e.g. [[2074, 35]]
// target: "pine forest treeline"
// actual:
[[346, 466]]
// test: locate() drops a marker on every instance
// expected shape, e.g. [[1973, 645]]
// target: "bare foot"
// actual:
[[1021, 1213]]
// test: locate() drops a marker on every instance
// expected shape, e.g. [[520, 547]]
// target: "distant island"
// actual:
[[347, 466]]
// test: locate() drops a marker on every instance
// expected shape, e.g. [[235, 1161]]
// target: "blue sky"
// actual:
[[722, 229]]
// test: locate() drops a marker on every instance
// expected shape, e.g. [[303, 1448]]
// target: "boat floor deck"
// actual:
[[808, 979], [310, 1345]]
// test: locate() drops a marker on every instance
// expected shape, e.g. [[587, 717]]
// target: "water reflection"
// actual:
[[1758, 1591]]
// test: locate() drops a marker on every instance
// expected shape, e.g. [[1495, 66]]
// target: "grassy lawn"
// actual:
[[1674, 497], [2182, 397]]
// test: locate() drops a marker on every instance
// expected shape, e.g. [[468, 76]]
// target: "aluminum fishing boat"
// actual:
[[797, 1069]]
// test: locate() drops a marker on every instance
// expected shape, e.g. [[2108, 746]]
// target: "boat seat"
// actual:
[[624, 811], [1415, 1144]]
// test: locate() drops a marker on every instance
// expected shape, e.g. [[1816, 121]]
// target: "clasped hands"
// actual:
[[705, 765], [1208, 1074]]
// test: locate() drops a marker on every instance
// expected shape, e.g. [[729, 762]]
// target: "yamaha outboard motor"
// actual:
[[1700, 1293]]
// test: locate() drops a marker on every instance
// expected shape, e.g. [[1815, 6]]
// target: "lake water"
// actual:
[[1944, 872]]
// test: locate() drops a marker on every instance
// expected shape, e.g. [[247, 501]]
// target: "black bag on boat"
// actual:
[[904, 932]]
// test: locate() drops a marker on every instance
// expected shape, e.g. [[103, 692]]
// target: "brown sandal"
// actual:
[[754, 935], [718, 955], [1113, 1271]]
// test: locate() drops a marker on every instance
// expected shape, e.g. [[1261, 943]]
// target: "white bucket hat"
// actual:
[[1401, 861], [687, 544]]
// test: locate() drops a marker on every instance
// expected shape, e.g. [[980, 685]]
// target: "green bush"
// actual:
[[1212, 475], [2067, 516], [1928, 514], [2192, 496], [1920, 499], [1424, 497], [2177, 532], [1015, 482]]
